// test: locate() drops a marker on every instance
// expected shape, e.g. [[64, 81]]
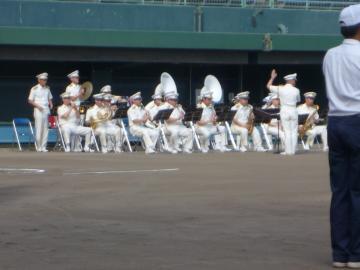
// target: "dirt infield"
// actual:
[[132, 211]]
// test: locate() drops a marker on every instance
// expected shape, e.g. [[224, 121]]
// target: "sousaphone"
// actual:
[[167, 83], [88, 89], [159, 90], [212, 84]]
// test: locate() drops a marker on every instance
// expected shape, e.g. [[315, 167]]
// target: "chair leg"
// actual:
[[33, 135], [95, 141], [17, 136]]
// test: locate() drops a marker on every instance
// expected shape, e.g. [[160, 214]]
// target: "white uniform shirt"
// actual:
[[74, 90], [208, 113], [152, 109], [177, 113], [71, 119], [341, 68], [305, 109], [242, 114], [288, 94], [41, 96], [91, 113], [135, 113]]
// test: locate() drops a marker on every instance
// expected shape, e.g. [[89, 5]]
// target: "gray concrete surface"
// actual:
[[216, 211]]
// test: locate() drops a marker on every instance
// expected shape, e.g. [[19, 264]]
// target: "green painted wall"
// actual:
[[163, 18], [95, 16], [235, 20], [168, 40]]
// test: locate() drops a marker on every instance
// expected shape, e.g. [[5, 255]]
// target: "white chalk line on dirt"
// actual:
[[21, 170], [125, 171]]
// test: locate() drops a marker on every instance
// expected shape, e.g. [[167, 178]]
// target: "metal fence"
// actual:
[[274, 4]]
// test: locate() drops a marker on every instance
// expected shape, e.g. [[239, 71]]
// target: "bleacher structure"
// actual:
[[273, 4]]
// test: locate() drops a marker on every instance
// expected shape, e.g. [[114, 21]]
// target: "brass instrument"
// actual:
[[251, 122], [103, 115], [82, 109], [309, 122], [88, 89]]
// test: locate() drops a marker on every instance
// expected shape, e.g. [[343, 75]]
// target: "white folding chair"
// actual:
[[54, 124], [23, 128]]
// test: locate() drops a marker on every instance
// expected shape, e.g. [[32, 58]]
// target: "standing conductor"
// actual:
[[341, 68]]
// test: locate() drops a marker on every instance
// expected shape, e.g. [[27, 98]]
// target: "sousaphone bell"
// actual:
[[88, 89]]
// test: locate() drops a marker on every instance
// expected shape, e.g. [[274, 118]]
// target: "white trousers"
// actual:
[[177, 133], [41, 128], [69, 130], [114, 134], [315, 131], [205, 132], [244, 136], [289, 120], [149, 135], [100, 131], [273, 131]]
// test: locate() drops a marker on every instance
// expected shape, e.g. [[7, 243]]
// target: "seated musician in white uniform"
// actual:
[[114, 99], [175, 127], [113, 131], [243, 125], [96, 118], [207, 126], [274, 128], [68, 115], [152, 108], [312, 130], [138, 116]]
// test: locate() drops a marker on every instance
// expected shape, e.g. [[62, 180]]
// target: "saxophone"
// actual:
[[309, 122], [251, 122]]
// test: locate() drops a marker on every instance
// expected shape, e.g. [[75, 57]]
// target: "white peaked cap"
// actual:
[[98, 96], [106, 89], [42, 76], [290, 77], [267, 99], [350, 16], [310, 94], [156, 96], [107, 97], [73, 74], [205, 93], [172, 95], [244, 94], [65, 95], [137, 95]]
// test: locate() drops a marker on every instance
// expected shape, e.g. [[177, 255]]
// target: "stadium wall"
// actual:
[[128, 46]]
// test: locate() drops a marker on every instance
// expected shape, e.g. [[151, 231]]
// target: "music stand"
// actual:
[[302, 118], [265, 116], [120, 113], [163, 115], [191, 116], [229, 115], [188, 116]]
